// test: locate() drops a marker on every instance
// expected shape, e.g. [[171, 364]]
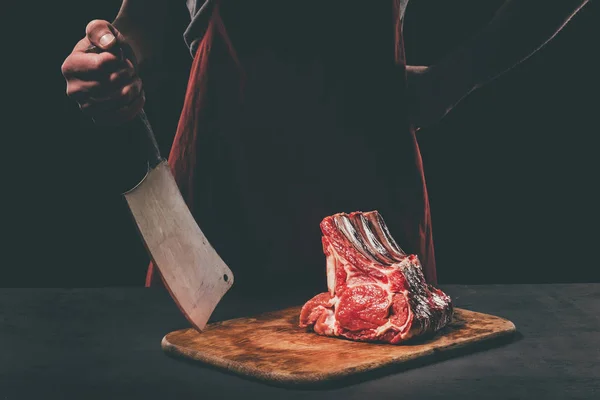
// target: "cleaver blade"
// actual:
[[192, 271]]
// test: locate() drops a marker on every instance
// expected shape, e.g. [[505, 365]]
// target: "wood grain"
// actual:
[[272, 348]]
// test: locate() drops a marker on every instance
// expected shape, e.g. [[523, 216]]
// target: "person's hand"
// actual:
[[104, 83], [432, 94]]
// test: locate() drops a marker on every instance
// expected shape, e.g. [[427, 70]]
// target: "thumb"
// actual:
[[102, 34]]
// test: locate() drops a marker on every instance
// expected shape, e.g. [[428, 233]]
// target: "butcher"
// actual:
[[299, 110]]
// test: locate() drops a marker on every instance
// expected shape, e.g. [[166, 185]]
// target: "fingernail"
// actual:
[[106, 39]]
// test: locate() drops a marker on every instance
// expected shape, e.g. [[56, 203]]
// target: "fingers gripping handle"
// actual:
[[138, 128]]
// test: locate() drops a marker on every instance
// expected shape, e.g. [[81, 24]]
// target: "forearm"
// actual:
[[518, 30], [143, 24]]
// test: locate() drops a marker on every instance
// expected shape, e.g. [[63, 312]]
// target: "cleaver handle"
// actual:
[[139, 128]]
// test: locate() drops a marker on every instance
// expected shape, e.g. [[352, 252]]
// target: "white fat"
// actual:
[[438, 300], [330, 322], [384, 328], [334, 301], [331, 262]]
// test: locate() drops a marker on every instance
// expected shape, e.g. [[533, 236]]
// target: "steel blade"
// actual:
[[194, 274]]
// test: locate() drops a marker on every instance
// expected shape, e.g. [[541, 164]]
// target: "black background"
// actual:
[[512, 171]]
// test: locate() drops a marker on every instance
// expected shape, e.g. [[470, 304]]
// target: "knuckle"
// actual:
[[94, 24], [71, 91], [129, 91], [65, 66], [68, 65], [114, 77]]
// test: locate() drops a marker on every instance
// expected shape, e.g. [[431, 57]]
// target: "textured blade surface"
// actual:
[[196, 277]]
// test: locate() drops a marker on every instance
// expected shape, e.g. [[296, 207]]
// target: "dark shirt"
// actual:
[[300, 113]]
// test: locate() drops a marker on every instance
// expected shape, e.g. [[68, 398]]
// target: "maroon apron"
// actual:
[[292, 114]]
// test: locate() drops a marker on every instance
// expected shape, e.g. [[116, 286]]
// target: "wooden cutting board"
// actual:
[[272, 348]]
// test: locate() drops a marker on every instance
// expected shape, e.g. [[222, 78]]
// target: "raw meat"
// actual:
[[377, 292]]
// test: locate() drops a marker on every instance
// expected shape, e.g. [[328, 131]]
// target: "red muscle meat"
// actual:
[[377, 292]]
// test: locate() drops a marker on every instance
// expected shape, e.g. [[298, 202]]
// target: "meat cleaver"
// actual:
[[192, 271]]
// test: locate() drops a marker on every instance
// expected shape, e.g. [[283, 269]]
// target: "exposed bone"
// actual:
[[383, 234]]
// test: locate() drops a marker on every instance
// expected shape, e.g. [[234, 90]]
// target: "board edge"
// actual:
[[320, 379]]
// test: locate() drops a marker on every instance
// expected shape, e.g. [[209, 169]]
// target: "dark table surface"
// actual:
[[105, 344]]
